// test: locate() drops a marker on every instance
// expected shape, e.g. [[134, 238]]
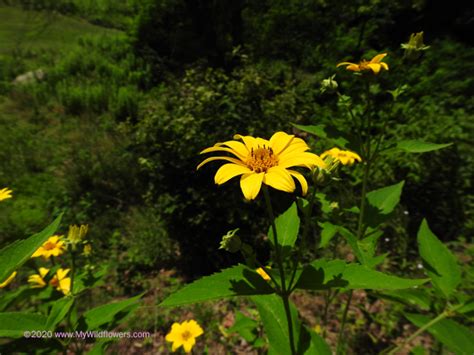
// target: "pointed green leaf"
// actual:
[[287, 225], [235, 281], [413, 297], [440, 263], [106, 313], [16, 254], [59, 310], [455, 336], [332, 134], [14, 324], [322, 274], [381, 202], [317, 345], [415, 146], [328, 231]]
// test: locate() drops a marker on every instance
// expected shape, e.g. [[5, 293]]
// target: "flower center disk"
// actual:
[[186, 335], [261, 159]]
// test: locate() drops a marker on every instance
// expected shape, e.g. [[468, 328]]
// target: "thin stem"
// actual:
[[343, 323], [284, 292]]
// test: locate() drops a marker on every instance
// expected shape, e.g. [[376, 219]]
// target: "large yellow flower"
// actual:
[[184, 335], [346, 157], [375, 64], [59, 280], [264, 161], [5, 193], [8, 280], [54, 246]]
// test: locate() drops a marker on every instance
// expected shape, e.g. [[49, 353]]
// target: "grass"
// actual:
[[33, 30]]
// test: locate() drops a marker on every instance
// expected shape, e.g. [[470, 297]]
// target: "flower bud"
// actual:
[[415, 46], [329, 84], [231, 242]]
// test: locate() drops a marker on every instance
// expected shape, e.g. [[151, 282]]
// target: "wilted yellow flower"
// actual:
[[54, 246], [5, 193], [262, 273], [346, 157], [8, 280], [264, 161], [375, 64], [77, 233], [184, 334], [37, 280], [59, 280]]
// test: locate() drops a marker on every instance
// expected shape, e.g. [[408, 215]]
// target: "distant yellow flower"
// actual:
[[8, 280], [346, 157], [184, 334], [317, 329], [54, 246], [76, 234], [37, 280], [262, 273], [375, 64], [87, 250], [5, 193], [59, 280], [264, 161]]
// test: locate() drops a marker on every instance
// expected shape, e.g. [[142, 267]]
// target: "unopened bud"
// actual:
[[329, 84], [415, 46], [231, 242]]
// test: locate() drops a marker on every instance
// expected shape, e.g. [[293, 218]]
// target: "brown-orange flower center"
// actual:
[[186, 335], [261, 159], [49, 246]]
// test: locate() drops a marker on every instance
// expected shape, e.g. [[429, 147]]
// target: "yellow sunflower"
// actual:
[[37, 280], [59, 280], [184, 335], [375, 64], [264, 161], [346, 157], [8, 280], [5, 193], [54, 246]]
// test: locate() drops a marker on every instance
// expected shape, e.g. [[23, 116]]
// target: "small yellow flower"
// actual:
[[264, 161], [8, 280], [54, 246], [375, 64], [346, 157], [317, 329], [59, 280], [37, 280], [5, 193], [77, 233], [87, 250], [184, 334], [262, 273]]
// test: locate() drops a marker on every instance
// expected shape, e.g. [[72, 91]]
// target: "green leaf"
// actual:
[[246, 327], [106, 313], [330, 133], [359, 276], [455, 336], [287, 225], [411, 297], [16, 254], [273, 316], [381, 202], [352, 241], [440, 264], [59, 310], [235, 281], [415, 146], [328, 231], [322, 274], [317, 345], [14, 324]]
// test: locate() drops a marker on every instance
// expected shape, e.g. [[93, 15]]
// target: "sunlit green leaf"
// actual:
[[328, 231], [287, 225], [14, 324], [59, 310], [381, 202], [415, 146]]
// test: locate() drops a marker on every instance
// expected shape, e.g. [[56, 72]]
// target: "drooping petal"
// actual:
[[228, 171], [305, 159], [301, 180], [279, 141], [232, 160], [378, 58], [384, 65], [346, 63], [353, 67], [251, 184], [223, 149], [279, 179], [375, 67]]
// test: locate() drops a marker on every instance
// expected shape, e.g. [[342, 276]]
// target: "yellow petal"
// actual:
[[8, 280], [43, 271], [188, 344], [251, 184], [249, 141], [65, 285], [301, 179], [61, 273], [228, 171], [384, 65], [279, 179], [297, 146], [346, 63], [375, 67], [279, 141], [238, 147], [378, 58], [232, 160], [305, 159], [224, 149]]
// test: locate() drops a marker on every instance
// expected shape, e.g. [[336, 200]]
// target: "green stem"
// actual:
[[343, 324], [284, 294]]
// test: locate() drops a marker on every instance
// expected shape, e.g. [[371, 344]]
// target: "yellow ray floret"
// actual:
[[375, 64], [184, 334], [259, 161], [346, 157], [5, 193], [8, 280]]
